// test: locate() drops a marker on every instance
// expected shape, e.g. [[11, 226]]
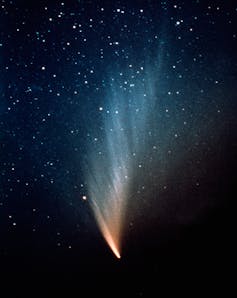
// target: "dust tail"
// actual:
[[116, 145]]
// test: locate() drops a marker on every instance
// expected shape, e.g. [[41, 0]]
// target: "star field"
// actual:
[[135, 99]]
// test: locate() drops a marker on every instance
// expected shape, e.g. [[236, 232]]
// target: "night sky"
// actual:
[[117, 103]]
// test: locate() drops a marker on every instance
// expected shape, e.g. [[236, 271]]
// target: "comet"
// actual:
[[112, 156]]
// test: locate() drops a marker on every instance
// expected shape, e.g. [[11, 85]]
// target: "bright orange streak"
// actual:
[[109, 210], [113, 242]]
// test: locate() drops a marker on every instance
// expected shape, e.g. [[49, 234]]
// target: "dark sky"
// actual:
[[157, 81]]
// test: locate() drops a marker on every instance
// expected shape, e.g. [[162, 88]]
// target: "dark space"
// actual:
[[60, 63]]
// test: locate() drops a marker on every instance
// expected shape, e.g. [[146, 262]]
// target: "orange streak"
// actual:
[[113, 241]]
